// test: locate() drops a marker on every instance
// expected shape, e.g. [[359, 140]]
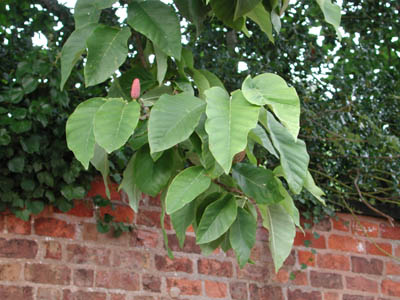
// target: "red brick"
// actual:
[[90, 233], [238, 290], [326, 280], [98, 188], [121, 213], [18, 248], [45, 273], [392, 268], [151, 219], [2, 222], [397, 253], [324, 224], [290, 260], [128, 281], [345, 243], [16, 293], [302, 295], [282, 276], [118, 297], [145, 238], [357, 297], [54, 227], [363, 284], [333, 261], [131, 259], [390, 287], [190, 245], [52, 250], [215, 267], [82, 208], [18, 226], [48, 294], [265, 292], [10, 271], [155, 201], [165, 264], [215, 289], [300, 278], [306, 257], [260, 252], [360, 228], [83, 295], [257, 273], [146, 298], [83, 277], [341, 224], [300, 240], [389, 232], [331, 296], [262, 234], [186, 286], [78, 254], [372, 249], [362, 265], [151, 283]]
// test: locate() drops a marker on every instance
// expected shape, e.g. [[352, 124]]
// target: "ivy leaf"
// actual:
[[159, 23], [228, 124], [257, 182], [294, 156], [107, 51], [310, 185], [216, 220], [16, 164], [101, 164], [129, 186], [79, 130], [185, 187], [115, 122], [281, 230], [331, 13], [71, 192], [272, 90], [35, 207], [242, 235], [173, 119], [181, 219], [263, 19]]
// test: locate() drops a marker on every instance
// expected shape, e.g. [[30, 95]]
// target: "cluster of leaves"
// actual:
[[192, 140]]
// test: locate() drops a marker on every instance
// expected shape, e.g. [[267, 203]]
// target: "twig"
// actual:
[[140, 49]]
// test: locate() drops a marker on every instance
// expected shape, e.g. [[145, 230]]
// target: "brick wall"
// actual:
[[59, 256]]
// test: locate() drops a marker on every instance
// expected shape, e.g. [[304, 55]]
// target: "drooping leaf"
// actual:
[[115, 122], [331, 13], [162, 64], [272, 90], [173, 119], [216, 220], [263, 19], [259, 136], [209, 248], [185, 187], [257, 182], [244, 6], [164, 232], [281, 230], [129, 186], [107, 51], [228, 124], [101, 164], [181, 220], [88, 11], [243, 235], [294, 156], [288, 204], [310, 186], [79, 130], [159, 23]]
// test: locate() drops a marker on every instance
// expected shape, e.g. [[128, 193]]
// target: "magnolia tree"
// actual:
[[192, 140]]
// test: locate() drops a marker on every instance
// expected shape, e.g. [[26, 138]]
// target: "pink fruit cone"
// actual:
[[135, 89]]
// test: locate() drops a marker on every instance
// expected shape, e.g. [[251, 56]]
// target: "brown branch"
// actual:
[[140, 49]]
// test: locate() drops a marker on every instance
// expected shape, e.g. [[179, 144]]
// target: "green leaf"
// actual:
[[5, 138], [243, 235], [225, 10], [209, 248], [216, 220], [288, 204], [129, 186], [107, 51], [35, 207], [257, 182], [281, 232], [101, 164], [259, 136], [21, 126], [181, 219], [70, 192], [173, 119], [152, 176], [88, 11], [185, 187], [310, 186], [201, 82], [331, 13], [162, 64], [263, 19], [228, 124], [294, 156], [193, 10], [212, 79], [272, 90], [159, 23], [31, 144], [79, 130], [73, 48], [115, 122], [16, 164], [244, 6], [164, 233]]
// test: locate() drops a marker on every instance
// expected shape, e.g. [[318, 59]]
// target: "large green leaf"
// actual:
[[173, 119], [331, 13], [181, 219], [152, 176], [216, 220], [244, 6], [73, 49], [88, 11], [162, 64], [225, 10], [281, 230], [101, 164], [107, 51], [288, 203], [129, 186], [228, 124], [159, 23], [115, 122], [310, 186], [294, 156], [263, 19], [185, 187], [79, 130], [259, 136], [272, 90], [257, 182]]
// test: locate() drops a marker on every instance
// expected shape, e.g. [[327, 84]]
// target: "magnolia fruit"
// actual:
[[135, 89]]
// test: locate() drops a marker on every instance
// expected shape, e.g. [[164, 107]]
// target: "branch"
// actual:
[[140, 49]]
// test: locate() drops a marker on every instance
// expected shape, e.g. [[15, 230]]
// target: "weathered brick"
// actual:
[[341, 224], [372, 229], [18, 226], [78, 254], [90, 233], [186, 286], [390, 287], [238, 290], [392, 268], [309, 238], [18, 248], [82, 208], [121, 213], [16, 293], [389, 232], [260, 252], [118, 297], [357, 297], [326, 280], [324, 225], [146, 298], [124, 280], [215, 267], [306, 257], [346, 243], [151, 283], [155, 201], [372, 249], [83, 277], [52, 250], [150, 218], [363, 284], [10, 271], [46, 273], [215, 289], [98, 188], [259, 273], [165, 264], [54, 227], [265, 292], [48, 294], [145, 238], [300, 278], [331, 296], [83, 295], [362, 265], [282, 276], [131, 259], [190, 245], [333, 261], [303, 295], [262, 234]]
